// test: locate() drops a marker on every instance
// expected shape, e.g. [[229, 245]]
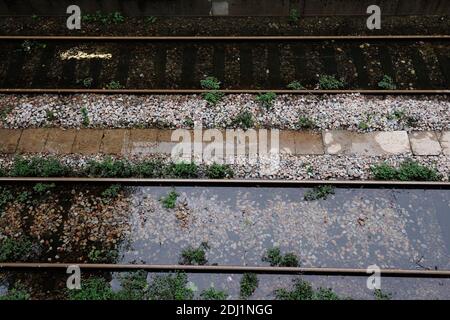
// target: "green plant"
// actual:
[[320, 192], [4, 112], [170, 200], [267, 99], [109, 168], [306, 123], [275, 258], [219, 171], [87, 82], [148, 169], [363, 125], [302, 290], [295, 85], [249, 283], [15, 250], [134, 286], [5, 197], [92, 289], [213, 84], [50, 115], [39, 167], [411, 121], [116, 17], [85, 115], [213, 294], [408, 171], [380, 295], [210, 83], [102, 255], [399, 114], [24, 197], [294, 16], [327, 82], [150, 20], [111, 192], [194, 256], [114, 85], [188, 122], [412, 171], [43, 187], [212, 97], [384, 172], [182, 170], [34, 17], [99, 17], [387, 83], [16, 293], [170, 287], [289, 260], [243, 120]]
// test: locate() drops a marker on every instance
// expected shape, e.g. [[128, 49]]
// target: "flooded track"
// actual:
[[352, 228]]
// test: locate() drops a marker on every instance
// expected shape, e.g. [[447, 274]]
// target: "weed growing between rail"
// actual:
[[39, 167], [327, 82], [243, 120], [195, 256], [103, 255], [213, 96], [15, 250], [17, 293], [306, 123], [104, 18], [214, 294], [249, 283], [170, 200], [267, 99], [303, 290], [219, 171], [387, 83], [407, 171], [276, 258], [111, 192], [116, 168], [295, 85], [170, 287], [317, 193]]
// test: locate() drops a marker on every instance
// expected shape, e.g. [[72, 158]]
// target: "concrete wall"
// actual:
[[230, 7]]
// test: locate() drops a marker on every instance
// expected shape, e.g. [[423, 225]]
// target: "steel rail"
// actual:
[[225, 91], [233, 182], [409, 273], [222, 38]]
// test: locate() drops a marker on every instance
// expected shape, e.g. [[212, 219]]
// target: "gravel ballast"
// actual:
[[352, 111], [290, 167]]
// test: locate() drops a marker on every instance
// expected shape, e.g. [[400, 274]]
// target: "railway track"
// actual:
[[417, 64], [157, 254]]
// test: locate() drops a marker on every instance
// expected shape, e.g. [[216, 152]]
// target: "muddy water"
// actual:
[[352, 228]]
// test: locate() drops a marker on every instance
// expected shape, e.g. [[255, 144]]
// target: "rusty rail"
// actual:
[[234, 182], [229, 91], [401, 273], [224, 38]]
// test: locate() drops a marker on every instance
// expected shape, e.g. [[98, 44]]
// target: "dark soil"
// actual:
[[192, 26]]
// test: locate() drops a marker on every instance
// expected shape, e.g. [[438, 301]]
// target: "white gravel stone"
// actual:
[[352, 112]]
